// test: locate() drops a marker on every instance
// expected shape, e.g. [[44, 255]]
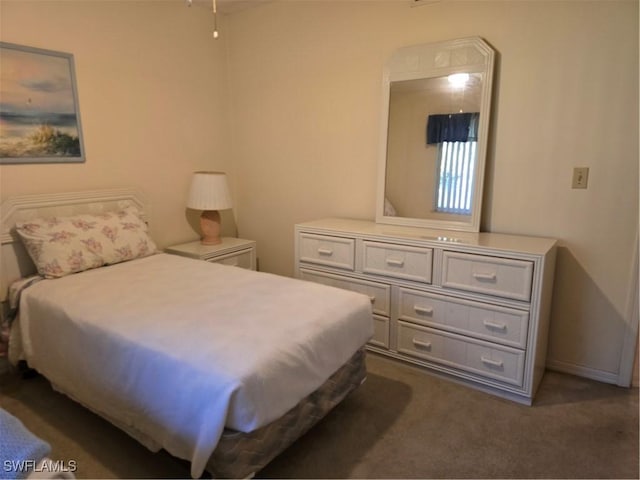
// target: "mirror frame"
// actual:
[[437, 60]]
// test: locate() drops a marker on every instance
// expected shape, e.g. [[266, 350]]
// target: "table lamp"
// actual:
[[209, 192]]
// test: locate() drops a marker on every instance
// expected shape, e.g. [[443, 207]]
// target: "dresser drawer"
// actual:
[[503, 277], [494, 323], [379, 294], [335, 252], [399, 261], [475, 356], [380, 332]]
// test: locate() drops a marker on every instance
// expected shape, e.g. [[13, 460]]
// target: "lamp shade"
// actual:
[[209, 191]]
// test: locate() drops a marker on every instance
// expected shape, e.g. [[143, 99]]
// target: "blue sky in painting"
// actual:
[[33, 82], [35, 89]]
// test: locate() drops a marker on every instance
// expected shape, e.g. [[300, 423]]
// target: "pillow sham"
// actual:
[[60, 246]]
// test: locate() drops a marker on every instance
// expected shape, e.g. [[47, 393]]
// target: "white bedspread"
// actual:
[[175, 348]]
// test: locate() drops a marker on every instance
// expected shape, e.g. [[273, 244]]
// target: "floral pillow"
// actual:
[[62, 245]]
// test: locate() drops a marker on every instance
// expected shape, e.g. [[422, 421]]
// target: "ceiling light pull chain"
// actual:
[[215, 16], [215, 19]]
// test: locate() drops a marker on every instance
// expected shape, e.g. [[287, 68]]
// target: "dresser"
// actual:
[[231, 251], [471, 307]]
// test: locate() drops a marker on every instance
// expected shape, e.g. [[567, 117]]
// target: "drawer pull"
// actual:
[[423, 345], [325, 251], [395, 262], [492, 363], [485, 277], [372, 298], [423, 310], [494, 326]]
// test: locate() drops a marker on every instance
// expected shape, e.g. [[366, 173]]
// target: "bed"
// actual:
[[218, 365]]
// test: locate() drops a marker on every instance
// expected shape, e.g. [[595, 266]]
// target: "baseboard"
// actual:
[[582, 371]]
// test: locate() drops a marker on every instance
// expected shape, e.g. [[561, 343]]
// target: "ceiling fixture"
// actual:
[[215, 16], [458, 80], [215, 19]]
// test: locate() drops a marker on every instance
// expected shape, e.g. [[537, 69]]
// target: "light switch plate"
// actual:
[[580, 177]]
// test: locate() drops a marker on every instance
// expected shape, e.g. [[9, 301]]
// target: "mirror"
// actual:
[[435, 116]]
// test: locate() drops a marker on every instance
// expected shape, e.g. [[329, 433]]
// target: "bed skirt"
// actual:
[[241, 455]]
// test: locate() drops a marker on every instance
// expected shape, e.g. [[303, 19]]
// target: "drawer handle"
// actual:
[[485, 277], [325, 251], [423, 310], [372, 298], [423, 345], [492, 363], [494, 326], [394, 262]]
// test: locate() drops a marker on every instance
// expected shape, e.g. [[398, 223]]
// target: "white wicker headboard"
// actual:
[[14, 260]]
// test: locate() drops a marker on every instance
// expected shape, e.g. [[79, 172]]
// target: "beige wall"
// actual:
[[151, 93], [306, 79], [301, 137]]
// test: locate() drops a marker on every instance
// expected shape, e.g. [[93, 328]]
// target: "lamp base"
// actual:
[[210, 227]]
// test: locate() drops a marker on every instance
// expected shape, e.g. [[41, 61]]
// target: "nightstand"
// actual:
[[232, 251]]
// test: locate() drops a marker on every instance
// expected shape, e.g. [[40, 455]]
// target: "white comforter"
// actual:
[[174, 349]]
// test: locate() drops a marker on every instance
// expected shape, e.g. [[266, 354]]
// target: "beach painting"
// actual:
[[39, 114]]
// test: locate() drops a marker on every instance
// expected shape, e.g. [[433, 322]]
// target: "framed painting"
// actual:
[[39, 113]]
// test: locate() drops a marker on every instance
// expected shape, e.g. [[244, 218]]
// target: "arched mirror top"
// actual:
[[436, 101]]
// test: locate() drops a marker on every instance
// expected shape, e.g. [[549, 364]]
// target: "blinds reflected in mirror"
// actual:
[[455, 178]]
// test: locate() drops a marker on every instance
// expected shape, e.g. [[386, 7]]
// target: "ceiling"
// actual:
[[228, 7]]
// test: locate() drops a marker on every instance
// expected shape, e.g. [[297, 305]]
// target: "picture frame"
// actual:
[[39, 110]]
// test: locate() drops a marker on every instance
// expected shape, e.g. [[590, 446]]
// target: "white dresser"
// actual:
[[473, 307]]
